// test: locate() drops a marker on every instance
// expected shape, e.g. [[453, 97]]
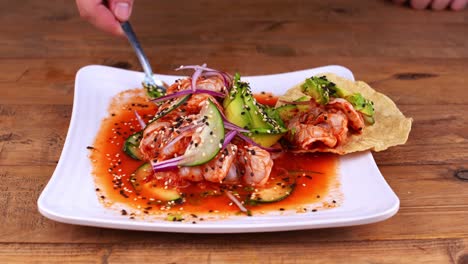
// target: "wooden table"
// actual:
[[418, 58]]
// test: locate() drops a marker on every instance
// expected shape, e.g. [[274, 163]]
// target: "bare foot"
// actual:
[[455, 5]]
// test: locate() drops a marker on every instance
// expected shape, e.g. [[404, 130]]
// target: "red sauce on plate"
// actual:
[[314, 174], [266, 98]]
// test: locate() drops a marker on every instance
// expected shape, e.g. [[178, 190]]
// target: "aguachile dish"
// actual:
[[207, 147]]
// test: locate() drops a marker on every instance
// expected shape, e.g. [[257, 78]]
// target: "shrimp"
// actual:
[[254, 164], [218, 168], [325, 125], [196, 101], [214, 171], [153, 138], [214, 83], [162, 140], [194, 174], [355, 118], [232, 176], [336, 123], [305, 135]]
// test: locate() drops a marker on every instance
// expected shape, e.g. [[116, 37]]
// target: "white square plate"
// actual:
[[70, 197]]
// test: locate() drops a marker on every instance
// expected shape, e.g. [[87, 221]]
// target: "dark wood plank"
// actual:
[[412, 251], [415, 82]]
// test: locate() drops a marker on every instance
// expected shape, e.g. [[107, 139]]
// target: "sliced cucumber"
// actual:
[[131, 146], [172, 105], [139, 181], [276, 191], [212, 138], [139, 177]]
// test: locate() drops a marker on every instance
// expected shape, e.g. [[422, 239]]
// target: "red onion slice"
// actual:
[[231, 126], [185, 92], [175, 140], [196, 74], [140, 120], [195, 67], [190, 127], [166, 164], [237, 202], [207, 72], [227, 79], [172, 95], [228, 138]]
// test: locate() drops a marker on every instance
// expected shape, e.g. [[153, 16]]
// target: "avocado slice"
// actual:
[[240, 118], [316, 88], [234, 104], [361, 104], [321, 89], [243, 110], [265, 139], [288, 111]]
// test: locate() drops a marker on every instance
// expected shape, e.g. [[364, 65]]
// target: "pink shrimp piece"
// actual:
[[336, 123], [218, 168], [355, 118], [214, 83], [254, 164], [215, 170], [153, 138], [194, 174], [304, 135]]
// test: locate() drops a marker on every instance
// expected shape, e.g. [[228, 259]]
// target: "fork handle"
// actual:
[[127, 28]]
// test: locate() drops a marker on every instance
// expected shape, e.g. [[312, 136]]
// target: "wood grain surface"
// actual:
[[418, 58]]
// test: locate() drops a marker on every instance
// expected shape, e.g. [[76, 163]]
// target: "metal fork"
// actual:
[[153, 86]]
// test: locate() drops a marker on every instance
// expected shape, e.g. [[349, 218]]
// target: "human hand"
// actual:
[[106, 15], [455, 5]]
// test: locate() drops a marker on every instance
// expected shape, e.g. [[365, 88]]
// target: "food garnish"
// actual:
[[341, 116], [209, 138]]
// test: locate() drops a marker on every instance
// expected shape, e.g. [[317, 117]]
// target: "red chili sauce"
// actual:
[[314, 174]]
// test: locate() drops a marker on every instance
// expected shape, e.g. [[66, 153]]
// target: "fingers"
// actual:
[[420, 4], [436, 4], [458, 5], [122, 9], [440, 4], [101, 16]]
